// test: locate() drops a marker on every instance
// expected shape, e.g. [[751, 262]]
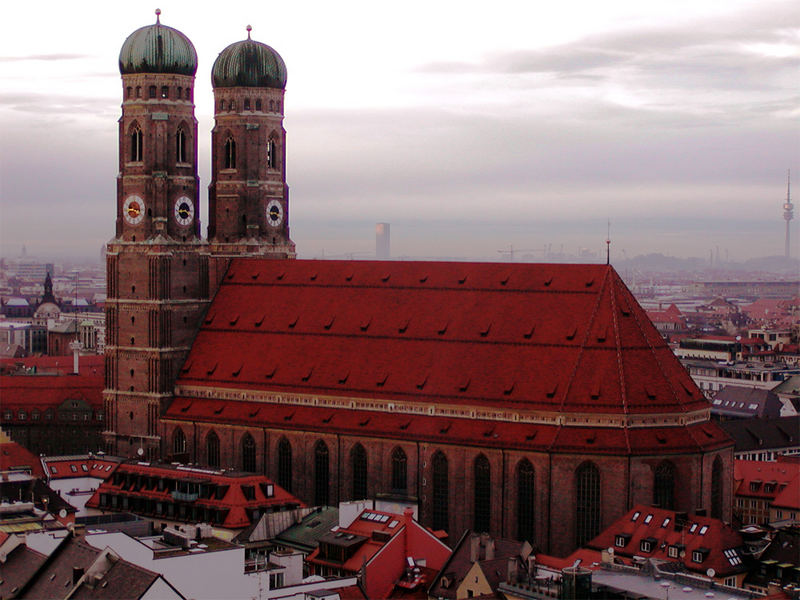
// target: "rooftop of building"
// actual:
[[763, 434]]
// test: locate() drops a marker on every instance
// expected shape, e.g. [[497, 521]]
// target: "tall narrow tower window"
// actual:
[[321, 474], [136, 144], [258, 104], [664, 486], [285, 464], [525, 500], [164, 91], [587, 503], [180, 146], [247, 103], [212, 450], [441, 484], [271, 158], [483, 490], [230, 154], [152, 91], [716, 489], [248, 454], [358, 457], [399, 471]]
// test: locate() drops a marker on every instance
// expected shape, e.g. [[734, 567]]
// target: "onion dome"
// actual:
[[249, 64], [157, 49]]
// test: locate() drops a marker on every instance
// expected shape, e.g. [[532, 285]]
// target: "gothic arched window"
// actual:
[[399, 471], [716, 489], [248, 454], [258, 104], [152, 91], [358, 460], [178, 441], [664, 486], [483, 491], [587, 503], [441, 484], [321, 474], [247, 103], [180, 146], [212, 450], [136, 144], [285, 464], [525, 500], [272, 159], [230, 154]]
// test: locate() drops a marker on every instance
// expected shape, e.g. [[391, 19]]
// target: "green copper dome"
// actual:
[[249, 64], [157, 49]]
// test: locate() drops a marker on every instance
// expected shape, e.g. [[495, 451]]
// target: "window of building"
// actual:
[[152, 91], [275, 580], [646, 545], [399, 471], [35, 414], [247, 103], [136, 144], [248, 454], [212, 450], [7, 415], [178, 441], [271, 157], [698, 556], [716, 489], [440, 492], [285, 464], [321, 474], [22, 415], [180, 146], [358, 460], [129, 92], [483, 490], [664, 486], [188, 93], [164, 91], [672, 552], [48, 414], [222, 105], [230, 154], [587, 503], [258, 104], [525, 500]]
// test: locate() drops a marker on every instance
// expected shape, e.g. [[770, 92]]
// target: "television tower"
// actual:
[[788, 209]]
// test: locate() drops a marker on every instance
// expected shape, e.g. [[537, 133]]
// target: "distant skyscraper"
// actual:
[[382, 242], [788, 210]]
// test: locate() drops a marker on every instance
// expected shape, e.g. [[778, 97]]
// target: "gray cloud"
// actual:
[[45, 57]]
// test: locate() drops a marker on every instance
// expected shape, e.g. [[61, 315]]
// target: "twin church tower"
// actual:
[[160, 274]]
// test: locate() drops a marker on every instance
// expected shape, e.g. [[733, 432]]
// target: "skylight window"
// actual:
[[647, 519], [703, 529], [85, 468], [635, 515], [733, 557], [666, 522], [752, 406], [693, 528], [73, 468]]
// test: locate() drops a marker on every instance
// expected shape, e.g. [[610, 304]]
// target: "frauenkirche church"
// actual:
[[532, 401]]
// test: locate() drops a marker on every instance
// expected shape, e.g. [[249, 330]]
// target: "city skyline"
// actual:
[[468, 131]]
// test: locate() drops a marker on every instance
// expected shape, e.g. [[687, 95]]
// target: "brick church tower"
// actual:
[[157, 264], [248, 195]]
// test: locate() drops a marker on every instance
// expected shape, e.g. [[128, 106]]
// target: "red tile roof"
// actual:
[[88, 365], [567, 338], [16, 457], [49, 391], [468, 432], [752, 478], [718, 543], [233, 501]]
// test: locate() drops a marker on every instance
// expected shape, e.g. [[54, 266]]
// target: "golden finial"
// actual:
[[158, 16], [249, 29]]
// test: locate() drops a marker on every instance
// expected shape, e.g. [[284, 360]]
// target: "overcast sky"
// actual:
[[469, 126]]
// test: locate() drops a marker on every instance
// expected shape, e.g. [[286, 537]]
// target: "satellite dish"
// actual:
[[683, 554], [711, 572], [62, 513], [611, 550], [140, 452]]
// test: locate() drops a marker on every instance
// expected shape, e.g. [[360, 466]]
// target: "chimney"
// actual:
[[77, 573], [512, 570], [490, 549], [474, 547]]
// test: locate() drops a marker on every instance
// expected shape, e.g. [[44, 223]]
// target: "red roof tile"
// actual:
[[85, 466], [710, 537], [16, 457], [567, 338], [43, 391]]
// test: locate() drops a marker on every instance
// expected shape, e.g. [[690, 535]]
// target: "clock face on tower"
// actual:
[[184, 211], [274, 213], [133, 210]]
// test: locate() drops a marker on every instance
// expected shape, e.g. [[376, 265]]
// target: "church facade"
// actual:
[[528, 401]]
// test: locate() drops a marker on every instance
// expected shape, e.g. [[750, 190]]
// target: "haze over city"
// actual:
[[468, 126]]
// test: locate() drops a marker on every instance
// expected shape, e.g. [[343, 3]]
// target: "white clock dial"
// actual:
[[274, 213], [184, 211], [133, 210]]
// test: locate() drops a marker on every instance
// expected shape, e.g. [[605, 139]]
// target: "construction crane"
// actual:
[[511, 251]]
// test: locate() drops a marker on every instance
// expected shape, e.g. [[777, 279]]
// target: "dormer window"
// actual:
[[700, 554], [621, 539], [755, 486], [646, 545]]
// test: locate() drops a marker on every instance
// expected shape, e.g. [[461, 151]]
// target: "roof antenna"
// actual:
[[158, 16], [249, 29], [608, 244]]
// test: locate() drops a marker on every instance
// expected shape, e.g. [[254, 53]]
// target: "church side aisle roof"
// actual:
[[561, 339]]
